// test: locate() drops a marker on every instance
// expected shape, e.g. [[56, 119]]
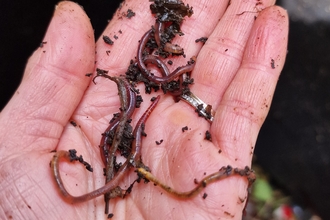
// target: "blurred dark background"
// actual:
[[294, 144]]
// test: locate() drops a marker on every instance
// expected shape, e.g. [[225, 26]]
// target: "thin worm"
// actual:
[[168, 47], [127, 102], [157, 62], [140, 50], [113, 183], [134, 159], [104, 146], [83, 198], [173, 48], [176, 73], [159, 29], [135, 156], [169, 77], [165, 71], [223, 173]]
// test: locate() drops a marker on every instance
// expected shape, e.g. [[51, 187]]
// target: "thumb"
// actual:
[[53, 84]]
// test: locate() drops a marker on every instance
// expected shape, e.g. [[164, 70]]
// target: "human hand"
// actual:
[[233, 73]]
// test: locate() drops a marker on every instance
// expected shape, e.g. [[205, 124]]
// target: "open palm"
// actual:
[[236, 72]]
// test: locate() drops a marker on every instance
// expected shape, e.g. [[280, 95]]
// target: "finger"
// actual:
[[246, 102], [53, 83], [220, 58]]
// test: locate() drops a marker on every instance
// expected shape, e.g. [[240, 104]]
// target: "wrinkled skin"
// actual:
[[233, 73]]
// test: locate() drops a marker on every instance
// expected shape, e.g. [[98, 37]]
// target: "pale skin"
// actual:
[[236, 72]]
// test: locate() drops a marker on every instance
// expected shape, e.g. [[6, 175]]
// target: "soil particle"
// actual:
[[202, 40], [130, 13], [107, 40]]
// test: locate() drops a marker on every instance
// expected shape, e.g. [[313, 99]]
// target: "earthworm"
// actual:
[[146, 73], [223, 173], [75, 199], [135, 156], [127, 102], [173, 48], [158, 62], [159, 29], [140, 50], [168, 47], [133, 159], [176, 73]]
